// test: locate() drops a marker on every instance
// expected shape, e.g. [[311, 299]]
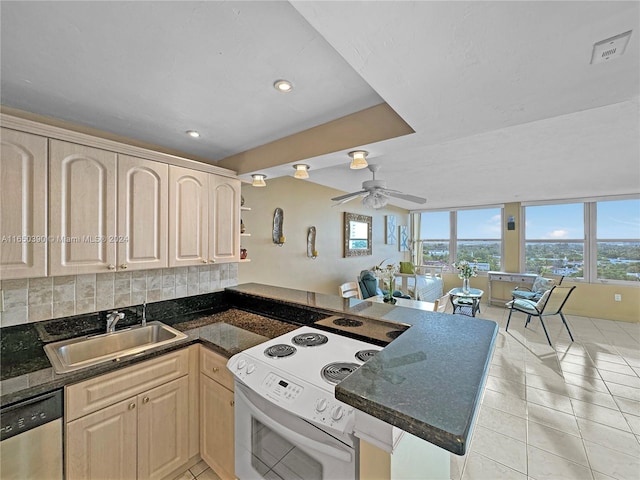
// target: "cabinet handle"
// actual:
[[132, 406], [215, 369], [123, 266], [145, 400], [111, 267], [232, 403]]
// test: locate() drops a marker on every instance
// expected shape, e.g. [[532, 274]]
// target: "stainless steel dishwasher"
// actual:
[[31, 439]]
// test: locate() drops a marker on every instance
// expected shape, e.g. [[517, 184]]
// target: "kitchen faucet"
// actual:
[[112, 319]]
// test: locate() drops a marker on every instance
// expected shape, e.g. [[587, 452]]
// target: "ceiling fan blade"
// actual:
[[344, 201], [348, 195], [409, 198]]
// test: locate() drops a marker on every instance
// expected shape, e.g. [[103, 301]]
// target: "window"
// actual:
[[474, 235], [618, 240], [598, 241], [435, 232], [479, 237], [554, 239]]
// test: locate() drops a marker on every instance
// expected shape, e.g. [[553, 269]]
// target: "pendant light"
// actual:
[[302, 170], [358, 159]]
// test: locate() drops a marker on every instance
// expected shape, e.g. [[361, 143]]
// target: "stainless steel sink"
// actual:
[[76, 353]]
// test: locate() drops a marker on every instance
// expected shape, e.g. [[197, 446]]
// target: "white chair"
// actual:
[[350, 290], [440, 305]]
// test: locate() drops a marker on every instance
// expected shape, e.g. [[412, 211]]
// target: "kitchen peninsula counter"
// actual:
[[428, 381]]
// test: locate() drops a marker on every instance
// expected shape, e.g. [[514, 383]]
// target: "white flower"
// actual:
[[465, 269]]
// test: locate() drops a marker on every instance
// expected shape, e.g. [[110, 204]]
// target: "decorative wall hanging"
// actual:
[[404, 239], [357, 235], [311, 243], [390, 225], [278, 225]]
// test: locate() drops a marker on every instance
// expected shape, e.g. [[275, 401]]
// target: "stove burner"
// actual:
[[310, 339], [394, 334], [338, 371], [364, 355], [280, 350], [346, 322]]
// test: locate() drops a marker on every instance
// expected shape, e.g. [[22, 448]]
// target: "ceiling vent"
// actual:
[[610, 48]]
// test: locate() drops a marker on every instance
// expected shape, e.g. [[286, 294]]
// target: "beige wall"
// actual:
[[306, 204]]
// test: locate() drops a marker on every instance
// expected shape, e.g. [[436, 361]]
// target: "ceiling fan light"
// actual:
[[374, 200], [358, 159], [258, 180], [302, 170]]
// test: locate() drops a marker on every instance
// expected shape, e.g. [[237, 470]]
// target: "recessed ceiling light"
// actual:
[[283, 86], [193, 133]]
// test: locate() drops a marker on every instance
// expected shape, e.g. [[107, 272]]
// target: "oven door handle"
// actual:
[[292, 435]]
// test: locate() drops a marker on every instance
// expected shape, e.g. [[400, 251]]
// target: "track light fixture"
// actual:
[[358, 159], [302, 170], [258, 180]]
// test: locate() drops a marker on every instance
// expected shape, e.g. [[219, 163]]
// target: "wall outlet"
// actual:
[[617, 297]]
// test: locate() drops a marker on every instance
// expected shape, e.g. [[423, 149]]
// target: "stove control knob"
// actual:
[[337, 412], [251, 368], [241, 364], [321, 404]]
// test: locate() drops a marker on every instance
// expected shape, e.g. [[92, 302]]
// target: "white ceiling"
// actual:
[[502, 96]]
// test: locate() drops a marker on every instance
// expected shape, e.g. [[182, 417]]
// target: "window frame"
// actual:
[[590, 241]]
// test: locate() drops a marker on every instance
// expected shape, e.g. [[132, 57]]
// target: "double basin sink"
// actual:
[[76, 353]]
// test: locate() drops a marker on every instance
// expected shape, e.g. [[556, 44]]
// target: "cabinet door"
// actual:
[[188, 216], [224, 205], [103, 444], [143, 199], [82, 209], [23, 205], [216, 427], [163, 429]]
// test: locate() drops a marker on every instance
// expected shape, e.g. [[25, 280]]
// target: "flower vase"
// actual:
[[388, 298], [465, 285]]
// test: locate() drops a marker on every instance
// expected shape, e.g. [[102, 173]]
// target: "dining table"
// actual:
[[405, 302]]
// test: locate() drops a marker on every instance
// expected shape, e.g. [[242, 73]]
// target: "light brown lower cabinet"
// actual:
[[216, 414], [133, 423], [143, 437]]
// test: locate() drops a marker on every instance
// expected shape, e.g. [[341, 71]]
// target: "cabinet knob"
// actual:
[[123, 266], [145, 400], [212, 261], [111, 267], [215, 369], [132, 406], [232, 403], [204, 260]]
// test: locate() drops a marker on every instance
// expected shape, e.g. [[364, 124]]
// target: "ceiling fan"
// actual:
[[376, 194]]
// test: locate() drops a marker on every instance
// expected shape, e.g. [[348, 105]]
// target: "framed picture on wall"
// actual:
[[390, 225], [403, 236]]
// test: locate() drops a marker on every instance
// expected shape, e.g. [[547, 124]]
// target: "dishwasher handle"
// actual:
[[29, 414]]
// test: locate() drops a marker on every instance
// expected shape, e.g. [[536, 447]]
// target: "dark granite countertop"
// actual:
[[428, 381], [227, 333]]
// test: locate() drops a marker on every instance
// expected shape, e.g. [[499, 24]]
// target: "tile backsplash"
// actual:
[[36, 299]]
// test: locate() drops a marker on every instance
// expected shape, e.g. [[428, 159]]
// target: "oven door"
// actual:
[[271, 443]]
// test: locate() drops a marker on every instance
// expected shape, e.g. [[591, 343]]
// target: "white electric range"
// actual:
[[287, 417]]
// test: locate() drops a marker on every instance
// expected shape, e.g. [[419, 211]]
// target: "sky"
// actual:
[[618, 219]]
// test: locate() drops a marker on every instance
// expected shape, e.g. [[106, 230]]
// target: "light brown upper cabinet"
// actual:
[[107, 211], [23, 205], [224, 204], [82, 209], [143, 200], [188, 216], [204, 218]]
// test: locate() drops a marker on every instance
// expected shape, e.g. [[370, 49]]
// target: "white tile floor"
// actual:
[[567, 412]]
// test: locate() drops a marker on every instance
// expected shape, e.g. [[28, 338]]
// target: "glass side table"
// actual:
[[466, 303]]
